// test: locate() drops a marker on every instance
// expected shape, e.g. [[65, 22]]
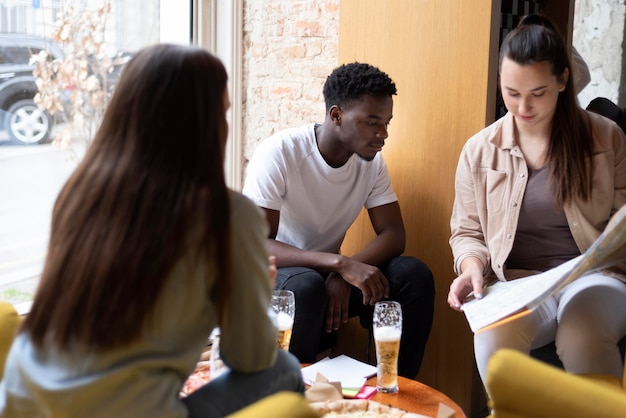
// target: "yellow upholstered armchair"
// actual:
[[9, 322], [281, 404], [521, 386]]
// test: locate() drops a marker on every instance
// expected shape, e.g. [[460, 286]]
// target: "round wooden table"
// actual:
[[417, 397]]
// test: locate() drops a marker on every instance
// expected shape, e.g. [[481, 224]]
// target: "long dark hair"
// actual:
[[535, 40], [153, 174]]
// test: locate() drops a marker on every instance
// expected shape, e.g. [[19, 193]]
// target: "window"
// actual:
[[40, 147], [17, 55]]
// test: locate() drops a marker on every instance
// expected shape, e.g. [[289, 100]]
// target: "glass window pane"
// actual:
[[59, 61]]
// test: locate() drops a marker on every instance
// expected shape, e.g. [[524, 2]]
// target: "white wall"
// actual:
[[598, 37]]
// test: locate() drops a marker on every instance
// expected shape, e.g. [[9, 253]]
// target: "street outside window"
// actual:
[[59, 63]]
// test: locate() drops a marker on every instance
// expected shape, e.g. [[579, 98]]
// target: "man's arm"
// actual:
[[288, 255], [359, 270], [390, 235], [388, 243]]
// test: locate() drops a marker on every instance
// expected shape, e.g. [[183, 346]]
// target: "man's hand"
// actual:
[[338, 294], [368, 279]]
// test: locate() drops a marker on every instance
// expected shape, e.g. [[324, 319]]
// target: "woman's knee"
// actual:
[[518, 335], [288, 367], [596, 312], [287, 362]]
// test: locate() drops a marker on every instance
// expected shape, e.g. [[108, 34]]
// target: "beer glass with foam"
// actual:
[[284, 307], [387, 332]]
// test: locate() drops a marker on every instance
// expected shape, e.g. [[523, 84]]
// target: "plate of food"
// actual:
[[200, 377], [360, 408]]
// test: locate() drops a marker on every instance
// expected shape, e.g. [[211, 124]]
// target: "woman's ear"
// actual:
[[563, 79]]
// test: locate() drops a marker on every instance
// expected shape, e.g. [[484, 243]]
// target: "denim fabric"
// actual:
[[233, 391]]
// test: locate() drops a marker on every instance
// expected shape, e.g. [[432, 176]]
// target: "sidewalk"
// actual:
[[32, 176]]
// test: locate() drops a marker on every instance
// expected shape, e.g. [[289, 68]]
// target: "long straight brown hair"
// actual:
[[534, 40], [153, 174]]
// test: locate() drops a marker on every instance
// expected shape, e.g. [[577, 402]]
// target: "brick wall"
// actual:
[[289, 47]]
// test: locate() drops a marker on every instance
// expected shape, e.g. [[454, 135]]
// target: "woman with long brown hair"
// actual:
[[534, 190], [149, 251]]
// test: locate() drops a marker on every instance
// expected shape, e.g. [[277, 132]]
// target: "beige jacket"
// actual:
[[490, 182]]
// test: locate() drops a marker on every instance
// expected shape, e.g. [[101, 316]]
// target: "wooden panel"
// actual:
[[442, 54]]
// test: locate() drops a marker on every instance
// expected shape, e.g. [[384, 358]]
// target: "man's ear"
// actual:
[[335, 114]]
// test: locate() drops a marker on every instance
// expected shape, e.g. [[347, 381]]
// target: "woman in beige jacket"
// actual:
[[534, 190]]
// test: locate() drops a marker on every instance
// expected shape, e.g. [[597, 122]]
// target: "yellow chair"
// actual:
[[279, 405], [521, 386], [9, 322]]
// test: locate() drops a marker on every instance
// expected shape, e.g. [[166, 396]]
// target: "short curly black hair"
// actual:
[[349, 82]]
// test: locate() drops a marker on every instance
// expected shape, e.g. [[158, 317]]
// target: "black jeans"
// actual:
[[411, 283]]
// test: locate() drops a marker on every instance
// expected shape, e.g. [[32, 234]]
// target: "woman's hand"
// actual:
[[273, 271], [470, 280]]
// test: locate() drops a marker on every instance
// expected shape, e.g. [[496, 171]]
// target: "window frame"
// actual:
[[216, 25]]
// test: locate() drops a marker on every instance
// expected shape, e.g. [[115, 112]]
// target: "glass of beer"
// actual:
[[387, 333], [284, 307]]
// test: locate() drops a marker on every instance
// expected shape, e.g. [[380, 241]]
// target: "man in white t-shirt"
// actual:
[[312, 182]]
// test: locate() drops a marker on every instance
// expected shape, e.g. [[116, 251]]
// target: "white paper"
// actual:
[[350, 372], [504, 299], [445, 411]]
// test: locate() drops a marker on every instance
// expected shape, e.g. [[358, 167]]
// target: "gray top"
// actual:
[[543, 239]]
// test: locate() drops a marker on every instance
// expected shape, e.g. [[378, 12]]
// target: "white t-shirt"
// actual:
[[317, 202]]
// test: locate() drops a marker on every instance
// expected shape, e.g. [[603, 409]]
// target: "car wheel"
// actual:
[[27, 124]]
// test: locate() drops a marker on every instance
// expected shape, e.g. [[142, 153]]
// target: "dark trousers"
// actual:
[[233, 391], [411, 283]]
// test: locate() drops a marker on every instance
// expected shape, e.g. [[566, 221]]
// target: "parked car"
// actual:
[[22, 119]]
